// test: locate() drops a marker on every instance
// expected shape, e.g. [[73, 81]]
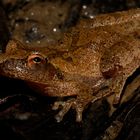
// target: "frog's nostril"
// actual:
[[59, 75]]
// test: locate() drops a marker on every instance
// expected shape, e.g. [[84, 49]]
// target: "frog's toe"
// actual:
[[79, 112], [116, 100], [59, 116], [79, 107], [57, 104], [65, 108]]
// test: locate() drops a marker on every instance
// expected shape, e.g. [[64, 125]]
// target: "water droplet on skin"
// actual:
[[84, 6], [32, 13], [34, 29], [27, 41], [16, 24], [54, 29], [86, 13], [91, 16], [38, 42], [26, 18]]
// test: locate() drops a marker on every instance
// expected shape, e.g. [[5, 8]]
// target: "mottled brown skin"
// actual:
[[91, 62]]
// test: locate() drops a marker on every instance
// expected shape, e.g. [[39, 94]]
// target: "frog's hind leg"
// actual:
[[118, 63], [118, 88], [114, 88], [122, 78]]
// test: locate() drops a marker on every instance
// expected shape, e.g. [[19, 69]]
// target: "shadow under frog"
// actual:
[[89, 63]]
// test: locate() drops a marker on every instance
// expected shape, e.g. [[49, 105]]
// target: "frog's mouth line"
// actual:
[[52, 90]]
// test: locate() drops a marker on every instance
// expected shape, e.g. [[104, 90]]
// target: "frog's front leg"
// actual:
[[66, 105], [79, 103], [85, 96]]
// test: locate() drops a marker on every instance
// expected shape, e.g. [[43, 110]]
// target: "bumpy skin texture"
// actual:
[[92, 61]]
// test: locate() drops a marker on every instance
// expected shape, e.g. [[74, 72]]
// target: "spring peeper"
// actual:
[[92, 61]]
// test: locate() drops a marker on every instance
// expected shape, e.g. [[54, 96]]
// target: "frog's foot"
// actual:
[[115, 88], [118, 91], [66, 105], [79, 107], [101, 94]]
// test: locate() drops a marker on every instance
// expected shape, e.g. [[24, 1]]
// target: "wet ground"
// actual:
[[28, 116]]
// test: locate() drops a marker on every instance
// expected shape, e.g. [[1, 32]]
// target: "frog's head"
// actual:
[[27, 64]]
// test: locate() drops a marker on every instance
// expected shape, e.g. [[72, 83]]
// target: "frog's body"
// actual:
[[91, 62]]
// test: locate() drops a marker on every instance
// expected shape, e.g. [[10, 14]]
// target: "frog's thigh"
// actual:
[[122, 77], [115, 58], [115, 87], [118, 64]]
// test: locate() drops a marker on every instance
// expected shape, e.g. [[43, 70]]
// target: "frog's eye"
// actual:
[[35, 59]]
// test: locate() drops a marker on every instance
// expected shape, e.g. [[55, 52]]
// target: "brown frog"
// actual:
[[91, 62]]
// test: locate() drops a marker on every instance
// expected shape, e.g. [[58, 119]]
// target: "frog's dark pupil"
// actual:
[[37, 59]]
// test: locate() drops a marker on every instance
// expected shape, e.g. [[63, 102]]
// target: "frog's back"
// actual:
[[130, 19], [101, 33], [104, 29]]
